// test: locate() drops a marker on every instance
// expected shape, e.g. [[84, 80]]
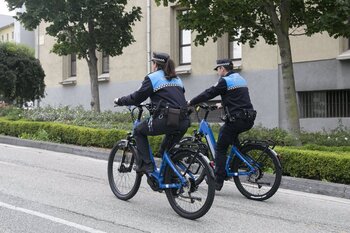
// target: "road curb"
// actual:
[[297, 184], [93, 152]]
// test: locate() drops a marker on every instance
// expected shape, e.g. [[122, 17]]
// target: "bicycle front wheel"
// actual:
[[195, 199], [264, 183], [123, 180]]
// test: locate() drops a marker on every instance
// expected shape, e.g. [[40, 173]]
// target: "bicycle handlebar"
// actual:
[[140, 107], [206, 107]]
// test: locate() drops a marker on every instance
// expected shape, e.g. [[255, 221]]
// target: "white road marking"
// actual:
[[51, 218], [7, 163]]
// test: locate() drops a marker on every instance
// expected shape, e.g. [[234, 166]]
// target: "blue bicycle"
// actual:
[[255, 167], [176, 175]]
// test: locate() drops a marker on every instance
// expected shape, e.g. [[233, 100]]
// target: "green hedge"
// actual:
[[319, 165], [69, 134]]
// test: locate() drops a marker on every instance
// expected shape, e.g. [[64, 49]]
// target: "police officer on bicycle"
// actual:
[[239, 112], [169, 116]]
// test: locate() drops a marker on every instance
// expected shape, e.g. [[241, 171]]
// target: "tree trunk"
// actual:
[[95, 95], [289, 86], [281, 23]]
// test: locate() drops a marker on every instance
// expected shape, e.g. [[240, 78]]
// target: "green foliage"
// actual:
[[82, 25], [81, 117], [11, 112], [40, 135], [21, 75], [61, 133], [279, 136], [319, 165], [121, 120], [337, 137], [338, 149], [246, 21], [17, 49], [327, 15], [255, 18]]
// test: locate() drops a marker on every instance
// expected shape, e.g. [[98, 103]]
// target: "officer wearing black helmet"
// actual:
[[239, 112], [166, 92]]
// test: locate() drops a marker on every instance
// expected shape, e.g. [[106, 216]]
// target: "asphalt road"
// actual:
[[43, 191]]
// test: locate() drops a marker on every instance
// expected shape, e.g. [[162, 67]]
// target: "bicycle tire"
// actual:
[[198, 197], [123, 180], [188, 143], [265, 182]]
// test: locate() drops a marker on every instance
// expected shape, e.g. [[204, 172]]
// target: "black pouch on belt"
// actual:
[[250, 114], [173, 117]]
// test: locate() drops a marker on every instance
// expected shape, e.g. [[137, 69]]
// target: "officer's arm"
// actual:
[[218, 89], [138, 96]]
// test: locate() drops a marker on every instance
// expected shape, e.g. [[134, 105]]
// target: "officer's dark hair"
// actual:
[[168, 67], [164, 63], [229, 67]]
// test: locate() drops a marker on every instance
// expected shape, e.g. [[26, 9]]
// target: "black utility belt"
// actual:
[[173, 116], [244, 114], [165, 112]]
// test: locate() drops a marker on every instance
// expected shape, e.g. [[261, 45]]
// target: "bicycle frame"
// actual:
[[205, 129], [158, 173]]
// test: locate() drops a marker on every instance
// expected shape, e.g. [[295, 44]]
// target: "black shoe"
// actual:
[[144, 168], [218, 185]]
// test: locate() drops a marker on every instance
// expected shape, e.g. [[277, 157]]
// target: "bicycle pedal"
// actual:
[[152, 183]]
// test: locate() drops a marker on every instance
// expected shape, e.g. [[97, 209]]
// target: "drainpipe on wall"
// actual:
[[37, 48], [148, 36]]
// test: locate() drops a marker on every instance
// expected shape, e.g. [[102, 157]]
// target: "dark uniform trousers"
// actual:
[[159, 127], [228, 135]]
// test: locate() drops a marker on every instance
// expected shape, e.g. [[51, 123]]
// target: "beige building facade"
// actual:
[[321, 63], [7, 28], [12, 30]]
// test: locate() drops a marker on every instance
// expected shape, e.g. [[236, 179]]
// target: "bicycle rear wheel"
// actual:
[[264, 183], [123, 180], [195, 199]]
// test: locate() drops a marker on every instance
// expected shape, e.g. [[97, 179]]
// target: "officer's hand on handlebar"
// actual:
[[218, 105], [116, 102]]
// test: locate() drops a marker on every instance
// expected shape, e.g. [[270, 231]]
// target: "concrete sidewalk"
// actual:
[[298, 184]]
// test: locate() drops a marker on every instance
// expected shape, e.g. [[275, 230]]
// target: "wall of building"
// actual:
[[6, 33], [315, 68], [329, 74], [23, 36]]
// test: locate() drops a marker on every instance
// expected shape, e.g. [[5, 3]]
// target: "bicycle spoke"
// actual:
[[123, 180], [194, 200], [264, 182]]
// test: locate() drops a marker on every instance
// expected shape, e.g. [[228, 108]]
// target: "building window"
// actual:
[[73, 65], [184, 45], [325, 104], [105, 63], [2, 37], [235, 51], [7, 37], [13, 36]]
